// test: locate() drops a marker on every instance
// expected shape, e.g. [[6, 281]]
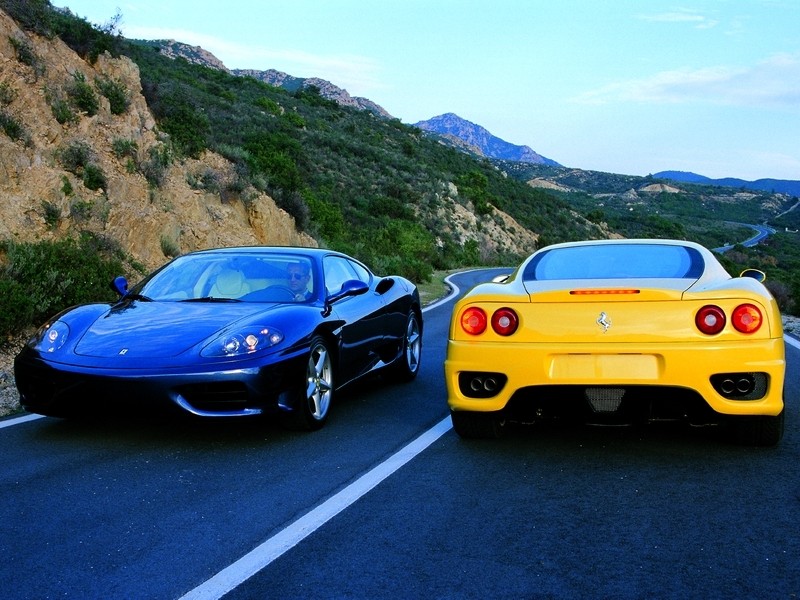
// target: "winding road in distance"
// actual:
[[762, 232]]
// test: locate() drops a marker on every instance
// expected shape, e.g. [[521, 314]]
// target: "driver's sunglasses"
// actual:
[[296, 275]]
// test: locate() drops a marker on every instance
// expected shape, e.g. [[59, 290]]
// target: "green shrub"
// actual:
[[66, 186], [12, 127], [40, 279], [268, 105], [123, 147], [74, 156], [155, 168], [25, 53], [7, 94], [187, 126], [83, 95], [80, 210], [208, 180], [94, 178], [169, 247], [62, 111], [52, 214], [32, 15], [116, 92]]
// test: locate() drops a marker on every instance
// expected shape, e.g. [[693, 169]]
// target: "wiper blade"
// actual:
[[141, 297], [211, 299]]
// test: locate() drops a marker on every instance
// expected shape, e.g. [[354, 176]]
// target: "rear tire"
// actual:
[[757, 430], [478, 425]]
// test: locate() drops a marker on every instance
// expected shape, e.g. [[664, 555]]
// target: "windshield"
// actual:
[[233, 277], [616, 261]]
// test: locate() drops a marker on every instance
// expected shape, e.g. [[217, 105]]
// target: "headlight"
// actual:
[[245, 341], [50, 337]]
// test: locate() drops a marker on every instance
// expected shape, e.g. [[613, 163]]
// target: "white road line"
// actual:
[[254, 561], [792, 341], [18, 420]]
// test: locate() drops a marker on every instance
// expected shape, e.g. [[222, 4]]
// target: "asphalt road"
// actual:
[[387, 502], [762, 232]]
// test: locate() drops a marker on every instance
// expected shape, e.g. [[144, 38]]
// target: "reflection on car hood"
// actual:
[[159, 329]]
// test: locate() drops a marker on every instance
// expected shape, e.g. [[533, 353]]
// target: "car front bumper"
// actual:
[[231, 390]]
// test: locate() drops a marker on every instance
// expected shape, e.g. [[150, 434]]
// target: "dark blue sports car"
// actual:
[[227, 332]]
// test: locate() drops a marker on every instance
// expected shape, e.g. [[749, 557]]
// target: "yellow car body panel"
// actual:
[[619, 332]]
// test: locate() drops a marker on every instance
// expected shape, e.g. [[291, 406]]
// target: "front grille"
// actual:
[[216, 396]]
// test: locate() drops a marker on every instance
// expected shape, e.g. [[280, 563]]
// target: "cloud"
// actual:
[[684, 15], [359, 75], [771, 82]]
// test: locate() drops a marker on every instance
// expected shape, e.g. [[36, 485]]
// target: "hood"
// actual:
[[161, 329]]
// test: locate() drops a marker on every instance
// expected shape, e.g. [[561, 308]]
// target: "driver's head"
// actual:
[[298, 274]]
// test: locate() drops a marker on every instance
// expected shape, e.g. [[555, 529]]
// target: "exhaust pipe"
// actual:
[[740, 386], [478, 384]]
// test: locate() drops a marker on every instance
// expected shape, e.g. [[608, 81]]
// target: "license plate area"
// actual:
[[605, 367]]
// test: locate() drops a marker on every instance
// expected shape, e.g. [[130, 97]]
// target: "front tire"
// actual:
[[406, 367], [316, 394]]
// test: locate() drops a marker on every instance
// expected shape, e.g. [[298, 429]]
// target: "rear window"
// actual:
[[616, 261]]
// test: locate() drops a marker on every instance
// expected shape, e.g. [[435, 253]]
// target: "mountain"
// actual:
[[779, 186], [193, 54], [460, 133], [481, 141], [199, 56], [326, 89]]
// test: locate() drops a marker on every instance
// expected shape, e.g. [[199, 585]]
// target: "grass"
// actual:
[[434, 289]]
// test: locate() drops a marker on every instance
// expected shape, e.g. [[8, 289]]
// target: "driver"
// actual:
[[299, 275]]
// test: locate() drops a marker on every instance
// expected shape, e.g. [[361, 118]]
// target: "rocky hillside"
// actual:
[[50, 147], [326, 89], [200, 56]]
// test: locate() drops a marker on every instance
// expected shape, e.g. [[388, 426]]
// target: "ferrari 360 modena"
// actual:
[[227, 333], [618, 332]]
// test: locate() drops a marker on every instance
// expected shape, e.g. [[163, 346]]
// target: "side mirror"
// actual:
[[351, 287], [120, 285], [759, 276]]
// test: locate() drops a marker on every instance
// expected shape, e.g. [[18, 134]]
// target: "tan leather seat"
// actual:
[[229, 284]]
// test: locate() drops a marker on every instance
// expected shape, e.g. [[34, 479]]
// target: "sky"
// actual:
[[623, 86]]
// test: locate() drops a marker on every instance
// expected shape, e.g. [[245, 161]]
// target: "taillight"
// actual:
[[710, 319], [505, 321], [746, 318], [473, 320]]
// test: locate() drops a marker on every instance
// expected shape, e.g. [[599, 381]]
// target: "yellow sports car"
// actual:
[[619, 331]]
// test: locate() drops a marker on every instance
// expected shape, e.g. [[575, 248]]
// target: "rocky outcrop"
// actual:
[[43, 199], [193, 54], [326, 89]]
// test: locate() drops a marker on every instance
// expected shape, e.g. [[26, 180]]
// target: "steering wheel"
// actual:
[[279, 293]]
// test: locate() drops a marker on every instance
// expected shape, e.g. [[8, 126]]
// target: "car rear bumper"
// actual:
[[702, 369]]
